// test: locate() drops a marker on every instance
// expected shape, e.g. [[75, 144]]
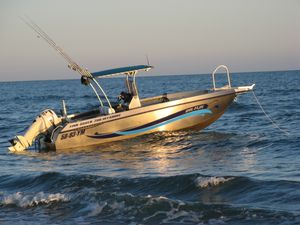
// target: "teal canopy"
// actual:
[[121, 70]]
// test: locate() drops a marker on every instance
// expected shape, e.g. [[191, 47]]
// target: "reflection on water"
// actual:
[[155, 152], [248, 159], [158, 154]]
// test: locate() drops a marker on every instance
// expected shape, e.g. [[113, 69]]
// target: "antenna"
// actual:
[[148, 63]]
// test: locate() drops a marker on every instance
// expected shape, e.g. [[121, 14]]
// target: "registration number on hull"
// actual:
[[72, 134]]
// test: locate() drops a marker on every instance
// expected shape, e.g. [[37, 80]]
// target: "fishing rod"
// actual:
[[86, 76], [49, 40]]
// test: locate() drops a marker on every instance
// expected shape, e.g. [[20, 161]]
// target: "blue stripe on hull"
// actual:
[[136, 131], [155, 124]]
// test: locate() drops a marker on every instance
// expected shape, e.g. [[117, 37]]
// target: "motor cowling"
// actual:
[[43, 123]]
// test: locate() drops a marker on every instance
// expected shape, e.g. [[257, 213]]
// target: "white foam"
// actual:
[[205, 182], [28, 200]]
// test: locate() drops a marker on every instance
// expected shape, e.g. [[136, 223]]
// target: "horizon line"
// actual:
[[155, 75]]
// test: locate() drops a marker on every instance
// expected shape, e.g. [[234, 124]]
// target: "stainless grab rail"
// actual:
[[228, 76]]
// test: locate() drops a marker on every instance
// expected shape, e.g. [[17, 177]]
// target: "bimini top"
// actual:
[[122, 70]]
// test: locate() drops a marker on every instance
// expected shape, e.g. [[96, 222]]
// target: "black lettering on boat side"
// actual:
[[197, 107], [72, 134]]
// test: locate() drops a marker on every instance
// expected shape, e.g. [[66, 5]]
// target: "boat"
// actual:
[[130, 117]]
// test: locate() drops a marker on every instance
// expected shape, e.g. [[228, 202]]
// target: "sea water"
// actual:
[[239, 170]]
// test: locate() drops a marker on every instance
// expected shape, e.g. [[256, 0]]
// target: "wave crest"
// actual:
[[204, 182], [29, 200]]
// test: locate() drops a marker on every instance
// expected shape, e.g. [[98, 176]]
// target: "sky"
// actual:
[[179, 36]]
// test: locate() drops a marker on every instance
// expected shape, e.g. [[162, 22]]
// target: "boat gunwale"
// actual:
[[231, 92]]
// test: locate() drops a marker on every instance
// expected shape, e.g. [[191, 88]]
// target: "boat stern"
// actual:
[[43, 124]]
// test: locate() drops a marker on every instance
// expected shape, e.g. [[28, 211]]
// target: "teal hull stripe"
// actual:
[[201, 112]]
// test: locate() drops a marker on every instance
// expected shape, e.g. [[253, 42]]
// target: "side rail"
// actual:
[[228, 77]]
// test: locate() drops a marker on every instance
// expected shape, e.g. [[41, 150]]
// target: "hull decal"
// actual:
[[196, 111]]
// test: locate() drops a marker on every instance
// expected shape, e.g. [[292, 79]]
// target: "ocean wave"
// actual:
[[149, 209], [182, 199], [173, 184], [205, 182], [189, 187], [30, 200]]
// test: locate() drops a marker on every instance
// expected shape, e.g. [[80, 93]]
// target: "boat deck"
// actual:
[[170, 97], [144, 102]]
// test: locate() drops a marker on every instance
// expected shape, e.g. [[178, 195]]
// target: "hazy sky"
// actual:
[[180, 37]]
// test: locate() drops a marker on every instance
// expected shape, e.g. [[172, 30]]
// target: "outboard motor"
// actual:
[[44, 123]]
